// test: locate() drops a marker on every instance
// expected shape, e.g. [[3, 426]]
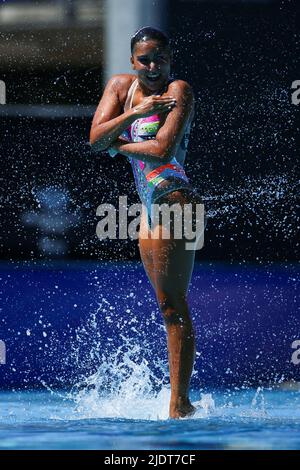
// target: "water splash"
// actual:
[[259, 197], [125, 382], [205, 406], [122, 388], [258, 404]]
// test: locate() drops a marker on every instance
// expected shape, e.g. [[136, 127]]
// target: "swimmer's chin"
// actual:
[[154, 85]]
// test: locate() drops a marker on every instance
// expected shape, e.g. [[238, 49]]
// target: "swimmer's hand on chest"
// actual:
[[154, 104]]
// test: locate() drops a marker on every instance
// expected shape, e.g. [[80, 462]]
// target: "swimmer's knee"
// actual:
[[174, 309]]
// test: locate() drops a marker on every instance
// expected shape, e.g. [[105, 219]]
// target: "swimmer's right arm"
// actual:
[[108, 122]]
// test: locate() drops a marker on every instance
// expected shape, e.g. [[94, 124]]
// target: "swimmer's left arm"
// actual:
[[168, 138]]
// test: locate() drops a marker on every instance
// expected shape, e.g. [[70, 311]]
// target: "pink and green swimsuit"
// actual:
[[150, 176]]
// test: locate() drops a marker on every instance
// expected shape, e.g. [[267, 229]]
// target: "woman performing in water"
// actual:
[[147, 117]]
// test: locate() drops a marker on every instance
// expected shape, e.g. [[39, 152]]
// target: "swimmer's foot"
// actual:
[[181, 409]]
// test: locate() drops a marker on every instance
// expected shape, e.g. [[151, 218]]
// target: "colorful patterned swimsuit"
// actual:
[[153, 179]]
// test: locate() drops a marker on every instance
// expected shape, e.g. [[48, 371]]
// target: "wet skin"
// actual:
[[167, 263]]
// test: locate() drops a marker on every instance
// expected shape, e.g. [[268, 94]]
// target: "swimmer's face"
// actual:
[[152, 62]]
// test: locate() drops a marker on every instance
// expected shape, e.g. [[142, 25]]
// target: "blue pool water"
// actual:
[[59, 321], [89, 339], [251, 419]]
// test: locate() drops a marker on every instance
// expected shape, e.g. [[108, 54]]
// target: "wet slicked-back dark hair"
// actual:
[[147, 33]]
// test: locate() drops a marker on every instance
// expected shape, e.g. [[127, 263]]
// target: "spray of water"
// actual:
[[124, 383]]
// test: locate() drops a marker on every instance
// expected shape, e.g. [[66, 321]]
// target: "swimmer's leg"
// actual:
[[145, 247], [173, 266]]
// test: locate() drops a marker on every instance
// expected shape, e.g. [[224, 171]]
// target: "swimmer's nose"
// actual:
[[153, 67]]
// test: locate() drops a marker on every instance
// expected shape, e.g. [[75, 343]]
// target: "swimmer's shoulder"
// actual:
[[183, 92], [121, 83], [180, 87]]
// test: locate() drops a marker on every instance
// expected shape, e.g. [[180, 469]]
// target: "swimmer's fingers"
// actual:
[[162, 109], [166, 106], [154, 103], [162, 98], [164, 103], [154, 99]]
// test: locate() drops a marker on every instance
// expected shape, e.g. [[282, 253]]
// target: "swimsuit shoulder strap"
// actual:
[[130, 93]]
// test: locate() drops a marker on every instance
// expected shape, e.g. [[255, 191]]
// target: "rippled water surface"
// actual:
[[245, 419]]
